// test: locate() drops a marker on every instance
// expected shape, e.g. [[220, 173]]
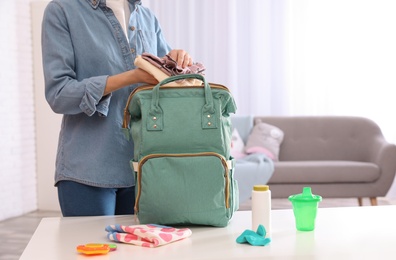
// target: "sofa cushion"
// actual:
[[243, 124], [306, 172], [237, 145], [265, 138]]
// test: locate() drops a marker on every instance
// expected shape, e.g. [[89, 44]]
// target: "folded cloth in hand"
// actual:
[[162, 68], [150, 68], [150, 235], [169, 66], [254, 238]]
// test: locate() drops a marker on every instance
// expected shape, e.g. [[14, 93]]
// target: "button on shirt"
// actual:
[[121, 11], [82, 44]]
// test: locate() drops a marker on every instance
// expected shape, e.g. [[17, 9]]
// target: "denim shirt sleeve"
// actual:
[[92, 99], [65, 93]]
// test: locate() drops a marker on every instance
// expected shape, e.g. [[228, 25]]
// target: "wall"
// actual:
[[17, 142], [47, 122]]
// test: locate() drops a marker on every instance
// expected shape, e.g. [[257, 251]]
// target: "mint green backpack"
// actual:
[[182, 138]]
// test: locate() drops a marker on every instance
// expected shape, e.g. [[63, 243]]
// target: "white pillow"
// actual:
[[237, 145]]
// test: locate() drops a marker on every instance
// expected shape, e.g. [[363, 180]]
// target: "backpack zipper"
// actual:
[[151, 156]]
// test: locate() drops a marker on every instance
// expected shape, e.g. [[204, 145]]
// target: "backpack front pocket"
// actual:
[[184, 188]]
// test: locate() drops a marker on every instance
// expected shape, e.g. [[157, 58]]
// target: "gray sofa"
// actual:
[[338, 156]]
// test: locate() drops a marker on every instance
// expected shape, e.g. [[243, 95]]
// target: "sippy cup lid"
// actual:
[[306, 195]]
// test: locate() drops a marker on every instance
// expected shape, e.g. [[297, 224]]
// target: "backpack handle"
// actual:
[[155, 115]]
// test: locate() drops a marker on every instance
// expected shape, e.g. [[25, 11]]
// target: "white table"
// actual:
[[341, 233]]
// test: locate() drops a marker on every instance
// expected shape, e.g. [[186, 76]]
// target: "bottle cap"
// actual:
[[306, 195], [260, 187]]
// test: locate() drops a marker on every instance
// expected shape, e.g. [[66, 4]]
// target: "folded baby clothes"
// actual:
[[149, 235], [150, 68]]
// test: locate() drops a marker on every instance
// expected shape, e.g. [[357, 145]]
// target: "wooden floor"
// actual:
[[15, 233]]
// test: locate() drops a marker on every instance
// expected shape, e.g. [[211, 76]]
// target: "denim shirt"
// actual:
[[82, 45]]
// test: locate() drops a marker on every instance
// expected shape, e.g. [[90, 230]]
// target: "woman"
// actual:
[[89, 47]]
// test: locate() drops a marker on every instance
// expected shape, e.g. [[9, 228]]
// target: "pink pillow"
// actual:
[[238, 155], [258, 149]]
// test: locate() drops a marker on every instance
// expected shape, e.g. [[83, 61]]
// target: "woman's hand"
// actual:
[[182, 58], [129, 77], [138, 75]]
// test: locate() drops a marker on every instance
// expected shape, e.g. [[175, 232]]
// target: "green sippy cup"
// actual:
[[305, 207]]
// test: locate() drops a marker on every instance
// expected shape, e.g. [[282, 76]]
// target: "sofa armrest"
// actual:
[[383, 154]]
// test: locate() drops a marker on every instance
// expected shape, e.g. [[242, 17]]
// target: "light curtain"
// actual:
[[235, 40], [288, 57], [342, 59]]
